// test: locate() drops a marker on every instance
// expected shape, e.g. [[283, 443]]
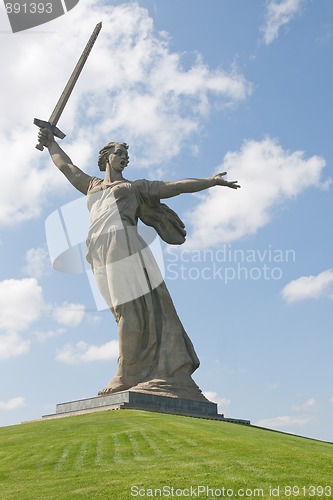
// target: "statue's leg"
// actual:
[[138, 344]]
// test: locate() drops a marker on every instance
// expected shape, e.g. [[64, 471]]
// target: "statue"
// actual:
[[155, 353]]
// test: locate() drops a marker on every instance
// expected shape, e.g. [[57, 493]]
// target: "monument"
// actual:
[[156, 356]]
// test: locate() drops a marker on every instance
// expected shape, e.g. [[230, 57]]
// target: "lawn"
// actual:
[[129, 454]]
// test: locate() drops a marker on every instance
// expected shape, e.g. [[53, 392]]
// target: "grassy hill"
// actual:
[[104, 455]]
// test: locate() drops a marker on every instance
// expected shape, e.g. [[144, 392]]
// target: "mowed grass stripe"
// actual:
[[83, 458], [101, 455], [152, 446], [137, 446], [99, 451]]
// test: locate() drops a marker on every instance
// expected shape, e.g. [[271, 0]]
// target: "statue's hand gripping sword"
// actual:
[[56, 113]]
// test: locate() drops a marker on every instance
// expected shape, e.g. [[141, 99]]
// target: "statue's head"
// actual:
[[109, 149]]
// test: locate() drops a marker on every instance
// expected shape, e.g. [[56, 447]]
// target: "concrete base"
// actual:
[[142, 401]]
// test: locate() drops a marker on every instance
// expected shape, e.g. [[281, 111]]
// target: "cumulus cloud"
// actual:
[[134, 88], [23, 192], [42, 336], [12, 345], [222, 403], [268, 174], [12, 404], [69, 314], [37, 262], [303, 416], [309, 287], [278, 13], [283, 422], [307, 406], [21, 303], [83, 352]]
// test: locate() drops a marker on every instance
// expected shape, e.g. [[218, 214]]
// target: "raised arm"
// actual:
[[173, 188], [76, 177]]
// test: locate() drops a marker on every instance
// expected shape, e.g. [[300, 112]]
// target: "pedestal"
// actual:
[[142, 401]]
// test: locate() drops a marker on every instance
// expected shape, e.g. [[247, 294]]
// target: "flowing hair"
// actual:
[[104, 152]]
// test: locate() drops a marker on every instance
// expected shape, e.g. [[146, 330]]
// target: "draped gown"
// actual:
[[155, 353]]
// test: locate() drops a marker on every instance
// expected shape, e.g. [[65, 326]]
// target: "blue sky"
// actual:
[[195, 87]]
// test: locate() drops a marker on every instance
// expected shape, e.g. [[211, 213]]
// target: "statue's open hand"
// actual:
[[45, 137], [222, 182]]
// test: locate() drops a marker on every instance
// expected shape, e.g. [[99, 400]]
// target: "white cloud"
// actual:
[[283, 422], [11, 345], [309, 287], [273, 386], [12, 404], [21, 303], [133, 88], [69, 314], [278, 14], [307, 406], [41, 336], [23, 191], [268, 174], [222, 403], [83, 352], [37, 262], [331, 399], [94, 320]]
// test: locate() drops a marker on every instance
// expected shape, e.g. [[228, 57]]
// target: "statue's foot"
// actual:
[[112, 389]]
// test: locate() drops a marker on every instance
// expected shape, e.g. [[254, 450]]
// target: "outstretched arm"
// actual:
[[173, 188], [76, 177]]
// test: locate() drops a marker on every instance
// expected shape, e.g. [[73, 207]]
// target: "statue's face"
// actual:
[[118, 157]]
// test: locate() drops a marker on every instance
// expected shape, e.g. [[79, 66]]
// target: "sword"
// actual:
[[56, 113]]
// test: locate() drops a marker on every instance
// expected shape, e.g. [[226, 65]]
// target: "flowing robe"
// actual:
[[155, 353]]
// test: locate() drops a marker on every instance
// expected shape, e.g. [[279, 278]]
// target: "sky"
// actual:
[[195, 88]]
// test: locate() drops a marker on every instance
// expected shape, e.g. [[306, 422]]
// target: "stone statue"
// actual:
[[155, 354]]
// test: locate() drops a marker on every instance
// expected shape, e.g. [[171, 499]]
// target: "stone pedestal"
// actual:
[[142, 401]]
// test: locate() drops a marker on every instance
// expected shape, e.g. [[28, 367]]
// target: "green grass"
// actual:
[[101, 455]]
